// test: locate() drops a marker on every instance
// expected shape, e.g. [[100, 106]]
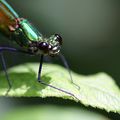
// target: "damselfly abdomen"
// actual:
[[30, 40]]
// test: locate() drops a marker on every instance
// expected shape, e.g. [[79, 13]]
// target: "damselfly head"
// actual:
[[47, 46], [51, 46]]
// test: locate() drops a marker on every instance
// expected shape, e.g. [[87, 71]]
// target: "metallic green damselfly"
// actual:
[[30, 40]]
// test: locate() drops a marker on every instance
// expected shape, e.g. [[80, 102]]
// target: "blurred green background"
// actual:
[[90, 31]]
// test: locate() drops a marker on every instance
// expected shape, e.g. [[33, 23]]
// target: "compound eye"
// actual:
[[43, 46], [58, 38]]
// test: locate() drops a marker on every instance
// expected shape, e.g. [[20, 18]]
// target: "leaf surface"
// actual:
[[97, 90]]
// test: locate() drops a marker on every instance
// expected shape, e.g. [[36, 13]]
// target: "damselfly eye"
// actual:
[[58, 38], [43, 46]]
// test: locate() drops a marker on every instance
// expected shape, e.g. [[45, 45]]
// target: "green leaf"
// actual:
[[51, 113], [97, 90]]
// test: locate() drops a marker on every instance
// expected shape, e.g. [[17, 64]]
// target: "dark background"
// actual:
[[90, 31]]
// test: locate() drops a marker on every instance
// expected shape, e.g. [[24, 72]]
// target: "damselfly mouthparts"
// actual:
[[30, 40]]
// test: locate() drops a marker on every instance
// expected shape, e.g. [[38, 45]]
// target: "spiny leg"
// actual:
[[42, 82], [6, 74], [69, 71]]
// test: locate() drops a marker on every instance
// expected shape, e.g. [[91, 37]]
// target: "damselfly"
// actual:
[[30, 40]]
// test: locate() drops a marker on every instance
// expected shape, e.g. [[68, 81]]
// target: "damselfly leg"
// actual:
[[42, 82], [69, 71], [6, 74], [9, 49]]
